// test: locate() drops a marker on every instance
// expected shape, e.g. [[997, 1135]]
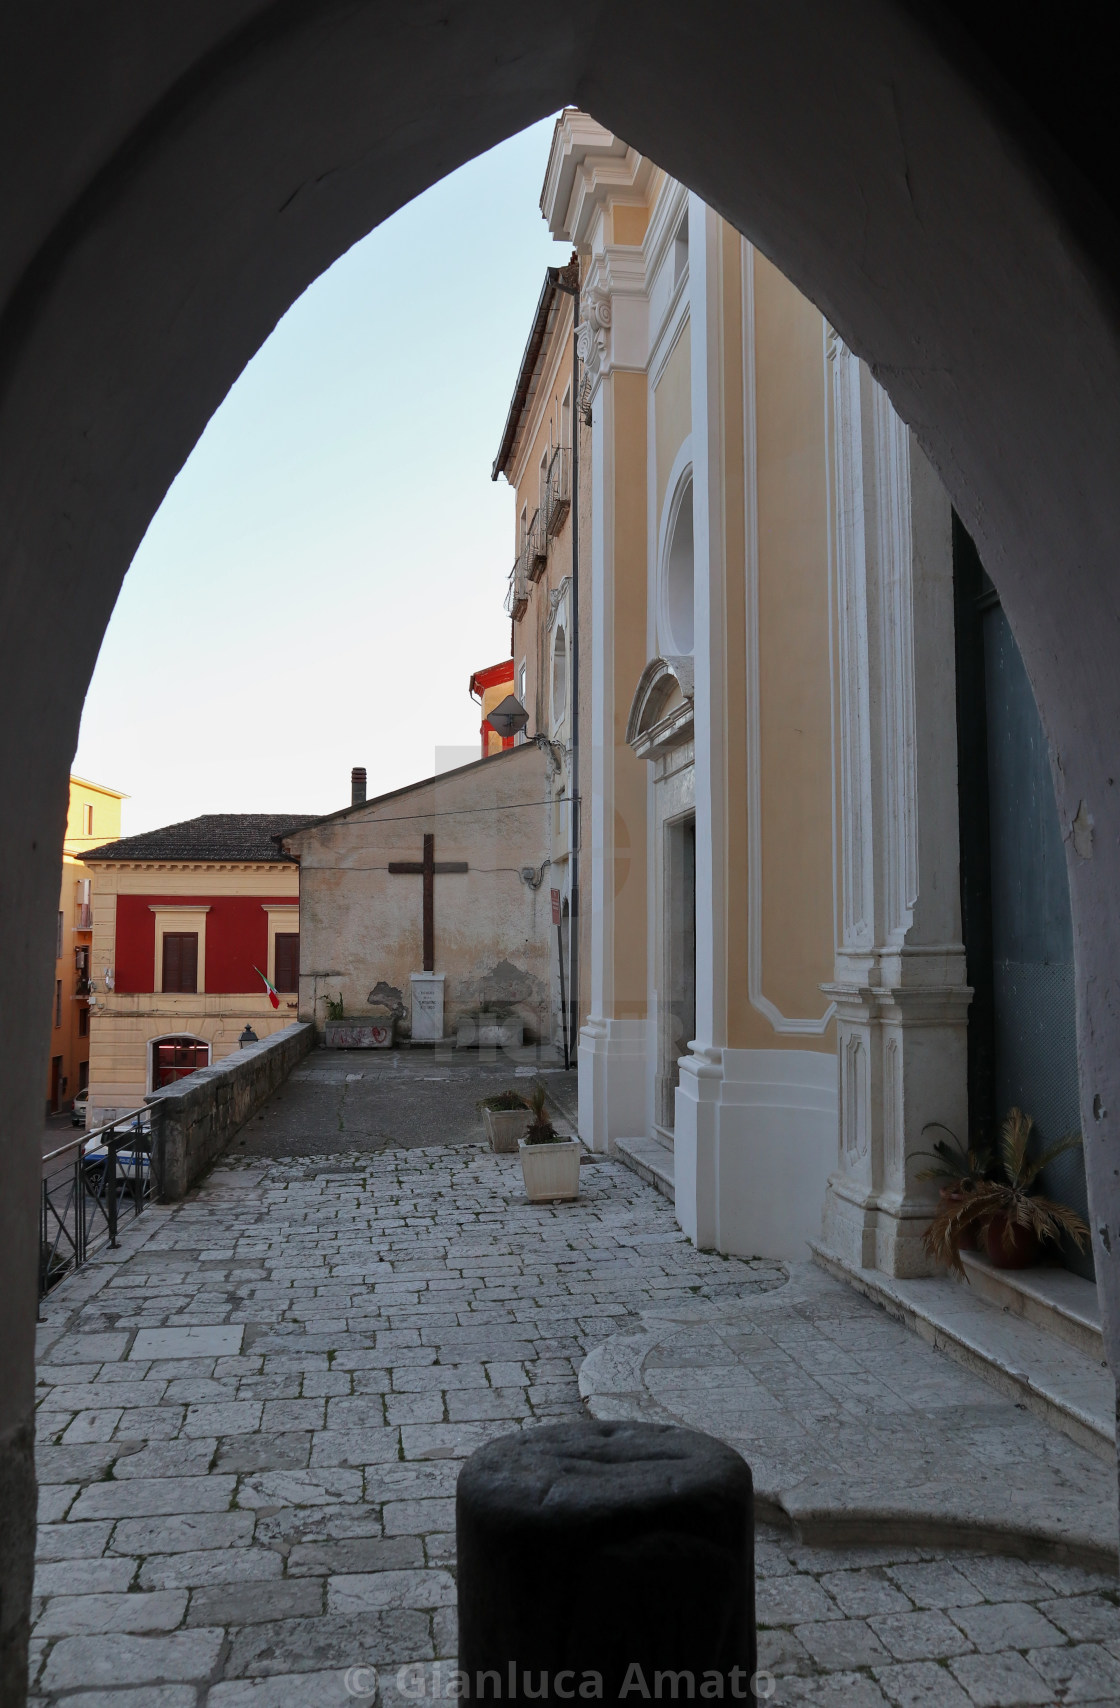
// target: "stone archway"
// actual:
[[179, 175]]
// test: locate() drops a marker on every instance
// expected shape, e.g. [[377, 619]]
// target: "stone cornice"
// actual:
[[588, 167]]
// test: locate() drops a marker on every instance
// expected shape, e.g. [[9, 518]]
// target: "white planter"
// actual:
[[505, 1128], [551, 1171]]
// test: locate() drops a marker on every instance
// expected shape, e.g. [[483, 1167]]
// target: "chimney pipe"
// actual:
[[357, 785]]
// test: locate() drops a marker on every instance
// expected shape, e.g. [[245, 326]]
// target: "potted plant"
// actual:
[[958, 1170], [549, 1164], [506, 1116], [1013, 1219]]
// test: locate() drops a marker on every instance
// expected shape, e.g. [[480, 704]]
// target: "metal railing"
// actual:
[[536, 545], [517, 592], [558, 491], [88, 1185]]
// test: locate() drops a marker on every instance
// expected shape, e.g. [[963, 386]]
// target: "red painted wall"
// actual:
[[236, 941]]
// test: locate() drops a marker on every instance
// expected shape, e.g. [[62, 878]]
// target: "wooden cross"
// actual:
[[427, 869]]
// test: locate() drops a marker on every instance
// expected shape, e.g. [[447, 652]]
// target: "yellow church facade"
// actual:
[[774, 997]]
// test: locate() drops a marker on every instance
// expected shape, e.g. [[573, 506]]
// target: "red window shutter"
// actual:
[[180, 961], [287, 960]]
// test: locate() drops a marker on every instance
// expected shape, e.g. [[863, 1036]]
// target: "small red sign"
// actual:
[[555, 907]]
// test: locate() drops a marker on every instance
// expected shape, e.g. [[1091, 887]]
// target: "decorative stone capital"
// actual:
[[593, 339]]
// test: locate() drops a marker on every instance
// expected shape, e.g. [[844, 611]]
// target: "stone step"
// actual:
[[1062, 1382], [651, 1160], [1064, 1304]]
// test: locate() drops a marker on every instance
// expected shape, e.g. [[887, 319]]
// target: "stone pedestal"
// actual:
[[755, 1138], [899, 986], [655, 1527], [612, 1057], [427, 1008], [903, 1058]]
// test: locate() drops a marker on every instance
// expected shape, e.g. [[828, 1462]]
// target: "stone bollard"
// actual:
[[616, 1559]]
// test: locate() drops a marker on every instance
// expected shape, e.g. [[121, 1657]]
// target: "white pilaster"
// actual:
[[611, 1053], [696, 1136], [899, 986]]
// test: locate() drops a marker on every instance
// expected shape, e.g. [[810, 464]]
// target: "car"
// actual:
[[80, 1108]]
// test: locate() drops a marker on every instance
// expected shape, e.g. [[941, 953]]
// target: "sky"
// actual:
[[333, 556]]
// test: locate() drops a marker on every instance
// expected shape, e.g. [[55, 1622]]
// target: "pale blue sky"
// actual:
[[333, 557]]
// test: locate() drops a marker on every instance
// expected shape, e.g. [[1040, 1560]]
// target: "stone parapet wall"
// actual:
[[194, 1120]]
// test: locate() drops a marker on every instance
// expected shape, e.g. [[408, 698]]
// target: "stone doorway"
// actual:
[[677, 1008]]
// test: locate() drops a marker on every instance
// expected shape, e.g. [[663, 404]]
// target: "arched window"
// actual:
[[559, 678], [678, 575], [175, 1058]]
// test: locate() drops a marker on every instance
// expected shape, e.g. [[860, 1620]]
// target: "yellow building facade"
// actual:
[[545, 459], [93, 817]]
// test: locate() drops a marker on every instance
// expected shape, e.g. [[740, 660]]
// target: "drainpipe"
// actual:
[[573, 913]]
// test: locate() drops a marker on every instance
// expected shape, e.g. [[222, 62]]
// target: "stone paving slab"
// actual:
[[394, 1311], [855, 1428]]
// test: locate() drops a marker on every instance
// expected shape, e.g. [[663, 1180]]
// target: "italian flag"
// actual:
[[271, 988]]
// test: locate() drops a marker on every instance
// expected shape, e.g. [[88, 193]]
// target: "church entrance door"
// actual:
[[678, 1006], [1015, 895]]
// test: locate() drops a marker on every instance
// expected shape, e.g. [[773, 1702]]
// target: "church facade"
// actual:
[[776, 995]]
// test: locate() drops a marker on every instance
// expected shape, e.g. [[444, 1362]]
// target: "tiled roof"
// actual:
[[214, 836]]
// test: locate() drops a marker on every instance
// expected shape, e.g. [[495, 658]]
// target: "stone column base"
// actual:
[[877, 1231], [612, 1059], [755, 1140]]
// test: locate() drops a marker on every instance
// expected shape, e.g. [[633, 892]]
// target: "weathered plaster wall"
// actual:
[[361, 926]]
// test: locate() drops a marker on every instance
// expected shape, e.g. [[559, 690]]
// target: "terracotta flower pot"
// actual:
[[1019, 1251], [955, 1199]]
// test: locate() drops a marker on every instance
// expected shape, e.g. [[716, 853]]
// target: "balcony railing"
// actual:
[[87, 1186], [558, 491], [517, 593], [536, 547]]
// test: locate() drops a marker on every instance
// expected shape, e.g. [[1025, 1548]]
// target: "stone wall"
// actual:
[[194, 1120]]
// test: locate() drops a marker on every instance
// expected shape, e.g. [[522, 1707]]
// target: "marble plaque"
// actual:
[[427, 1008]]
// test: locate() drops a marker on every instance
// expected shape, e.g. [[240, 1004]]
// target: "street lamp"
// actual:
[[508, 718], [248, 1036]]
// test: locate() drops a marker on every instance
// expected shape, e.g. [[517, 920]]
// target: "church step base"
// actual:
[[1070, 1388], [651, 1161], [1062, 1303]]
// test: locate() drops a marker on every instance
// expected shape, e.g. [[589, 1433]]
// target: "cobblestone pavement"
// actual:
[[251, 1419]]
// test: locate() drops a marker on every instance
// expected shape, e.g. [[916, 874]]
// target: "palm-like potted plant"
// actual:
[[1014, 1219], [549, 1164], [506, 1115], [958, 1169]]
